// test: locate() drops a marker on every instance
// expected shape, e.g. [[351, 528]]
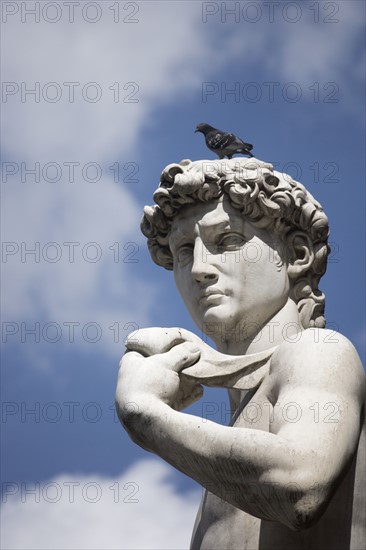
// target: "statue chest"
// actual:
[[254, 411]]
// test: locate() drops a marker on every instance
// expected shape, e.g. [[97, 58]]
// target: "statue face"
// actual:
[[226, 270]]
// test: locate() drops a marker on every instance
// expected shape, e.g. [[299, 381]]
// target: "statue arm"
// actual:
[[318, 390], [287, 475]]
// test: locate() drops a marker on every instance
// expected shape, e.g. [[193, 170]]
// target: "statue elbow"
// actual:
[[308, 511], [304, 519], [304, 504]]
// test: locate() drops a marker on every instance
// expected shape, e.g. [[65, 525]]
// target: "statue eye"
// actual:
[[231, 241], [184, 254]]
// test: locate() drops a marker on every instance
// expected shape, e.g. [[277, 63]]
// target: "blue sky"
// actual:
[[296, 73]]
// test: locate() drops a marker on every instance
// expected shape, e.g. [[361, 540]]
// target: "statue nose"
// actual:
[[202, 268], [202, 277]]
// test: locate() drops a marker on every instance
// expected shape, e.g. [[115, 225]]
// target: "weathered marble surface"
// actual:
[[248, 247]]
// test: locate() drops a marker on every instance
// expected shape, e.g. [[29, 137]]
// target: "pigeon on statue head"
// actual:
[[223, 144]]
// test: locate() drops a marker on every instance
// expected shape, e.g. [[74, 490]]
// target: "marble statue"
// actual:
[[248, 246]]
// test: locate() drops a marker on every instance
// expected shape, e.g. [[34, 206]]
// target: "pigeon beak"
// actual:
[[196, 131]]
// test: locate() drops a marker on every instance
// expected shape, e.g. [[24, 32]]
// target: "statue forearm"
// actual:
[[251, 469]]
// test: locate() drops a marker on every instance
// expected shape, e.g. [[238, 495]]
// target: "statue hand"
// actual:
[[154, 340], [213, 368], [143, 379]]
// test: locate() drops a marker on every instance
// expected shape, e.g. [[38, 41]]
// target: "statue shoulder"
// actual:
[[320, 357]]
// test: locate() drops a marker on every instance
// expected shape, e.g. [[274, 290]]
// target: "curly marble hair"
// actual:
[[270, 199]]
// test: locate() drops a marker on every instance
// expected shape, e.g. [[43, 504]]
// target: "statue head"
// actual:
[[271, 202]]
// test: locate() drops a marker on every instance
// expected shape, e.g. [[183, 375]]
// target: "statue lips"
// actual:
[[210, 296]]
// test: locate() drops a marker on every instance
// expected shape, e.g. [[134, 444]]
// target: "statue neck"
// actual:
[[280, 328]]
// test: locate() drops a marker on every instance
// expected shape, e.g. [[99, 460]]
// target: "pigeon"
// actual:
[[223, 144]]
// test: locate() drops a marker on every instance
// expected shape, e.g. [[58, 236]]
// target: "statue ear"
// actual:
[[300, 254]]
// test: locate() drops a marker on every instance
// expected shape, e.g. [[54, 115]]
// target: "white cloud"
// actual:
[[74, 288], [104, 132], [168, 53], [141, 509], [164, 54], [98, 221], [324, 52], [319, 46]]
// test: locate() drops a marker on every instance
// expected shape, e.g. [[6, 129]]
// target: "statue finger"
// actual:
[[179, 357], [152, 341]]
